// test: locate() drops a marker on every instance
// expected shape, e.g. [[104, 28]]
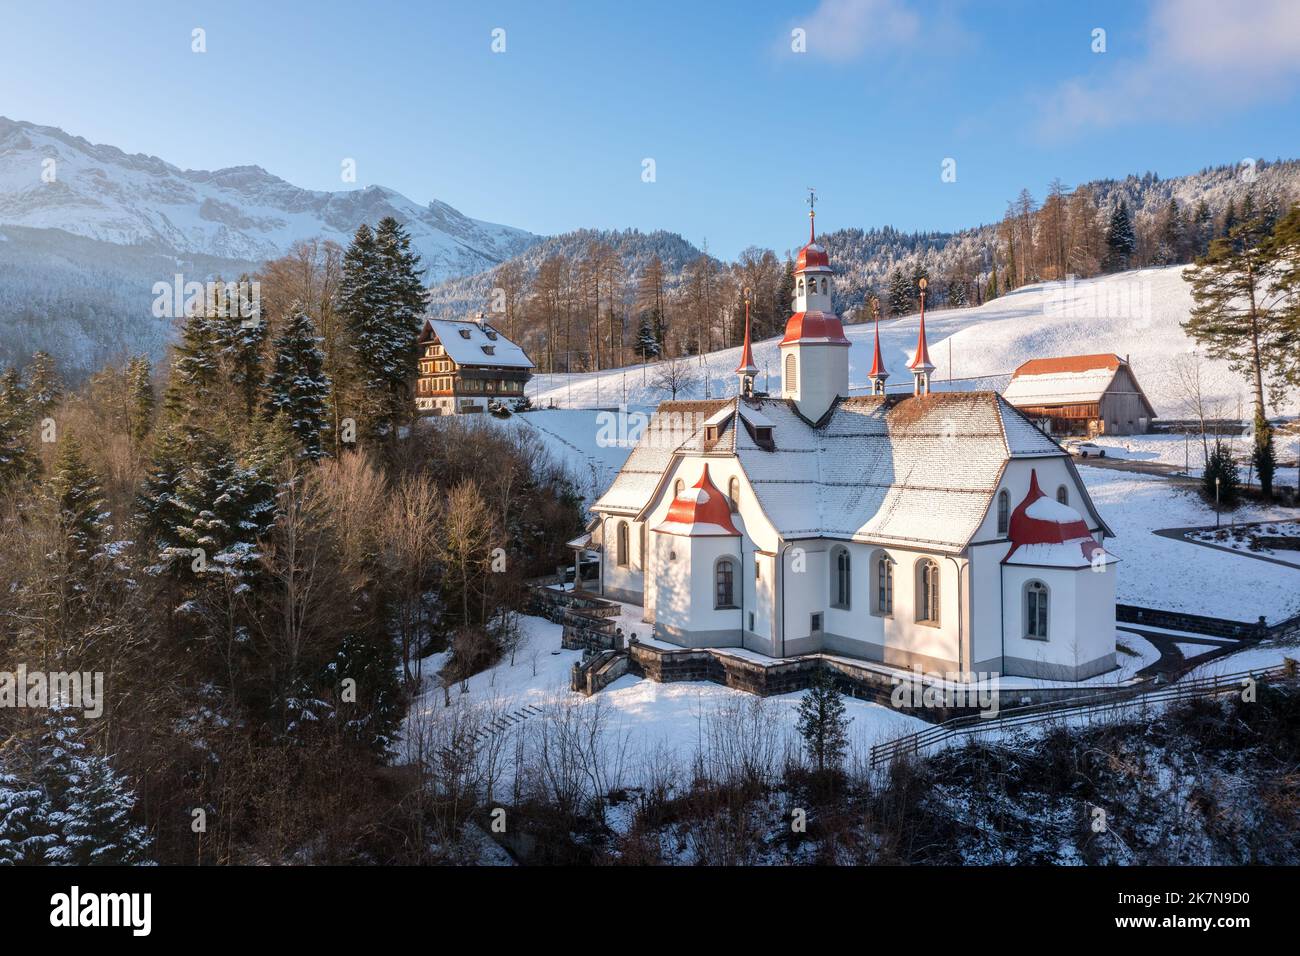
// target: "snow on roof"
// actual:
[[721, 415], [1063, 380], [468, 343], [908, 470], [1076, 553], [672, 424], [1055, 388], [755, 417]]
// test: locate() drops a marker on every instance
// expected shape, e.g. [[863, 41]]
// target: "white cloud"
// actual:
[[1201, 56], [845, 29]]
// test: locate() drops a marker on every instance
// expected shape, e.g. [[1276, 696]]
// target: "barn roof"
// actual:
[[909, 470], [1069, 379]]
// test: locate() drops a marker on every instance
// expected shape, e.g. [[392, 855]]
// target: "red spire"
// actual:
[[922, 357], [746, 366], [877, 363]]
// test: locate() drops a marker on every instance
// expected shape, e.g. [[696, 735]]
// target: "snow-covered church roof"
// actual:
[[919, 470]]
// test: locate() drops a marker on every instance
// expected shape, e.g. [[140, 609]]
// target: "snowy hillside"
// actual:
[[1134, 314], [244, 212]]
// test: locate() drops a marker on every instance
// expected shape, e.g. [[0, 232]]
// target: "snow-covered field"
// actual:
[[1176, 575], [1134, 314], [644, 720]]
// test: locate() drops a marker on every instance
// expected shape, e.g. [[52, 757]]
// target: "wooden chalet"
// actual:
[[464, 365]]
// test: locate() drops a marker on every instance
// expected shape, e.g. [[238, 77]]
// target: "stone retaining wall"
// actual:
[[1193, 623]]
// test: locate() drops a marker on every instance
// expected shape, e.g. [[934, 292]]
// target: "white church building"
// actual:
[[941, 531]]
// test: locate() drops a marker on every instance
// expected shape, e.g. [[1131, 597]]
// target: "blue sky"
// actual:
[[551, 134]]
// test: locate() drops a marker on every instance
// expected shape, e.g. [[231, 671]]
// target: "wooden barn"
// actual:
[[1081, 395]]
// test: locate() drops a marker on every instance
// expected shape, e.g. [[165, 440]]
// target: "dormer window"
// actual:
[[464, 333], [710, 432], [488, 349], [492, 335]]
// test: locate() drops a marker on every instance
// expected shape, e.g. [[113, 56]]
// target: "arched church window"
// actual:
[[841, 578], [724, 574], [824, 286], [733, 493], [791, 382], [1063, 495], [799, 288], [883, 572], [1004, 511], [1036, 610], [678, 485], [622, 544], [927, 597]]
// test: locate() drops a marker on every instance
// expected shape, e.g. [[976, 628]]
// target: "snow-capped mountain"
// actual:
[[50, 179]]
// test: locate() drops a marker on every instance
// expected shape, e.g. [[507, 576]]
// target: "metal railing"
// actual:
[[1144, 694]]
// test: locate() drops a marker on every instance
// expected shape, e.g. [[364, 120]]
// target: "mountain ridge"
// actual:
[[99, 191]]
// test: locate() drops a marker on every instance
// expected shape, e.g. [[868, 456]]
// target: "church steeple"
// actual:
[[746, 369], [878, 372], [814, 351], [921, 365]]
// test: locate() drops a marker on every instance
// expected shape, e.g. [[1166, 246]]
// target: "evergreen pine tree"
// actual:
[[373, 719], [17, 462], [298, 388], [1263, 455], [899, 296], [44, 387], [1223, 467], [957, 292], [77, 497], [822, 723], [381, 298], [785, 298], [1169, 248], [647, 343], [1229, 220], [1202, 229], [1239, 315], [1284, 282], [158, 513], [140, 403], [1120, 240], [196, 371], [26, 833], [92, 804], [224, 508], [242, 342]]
